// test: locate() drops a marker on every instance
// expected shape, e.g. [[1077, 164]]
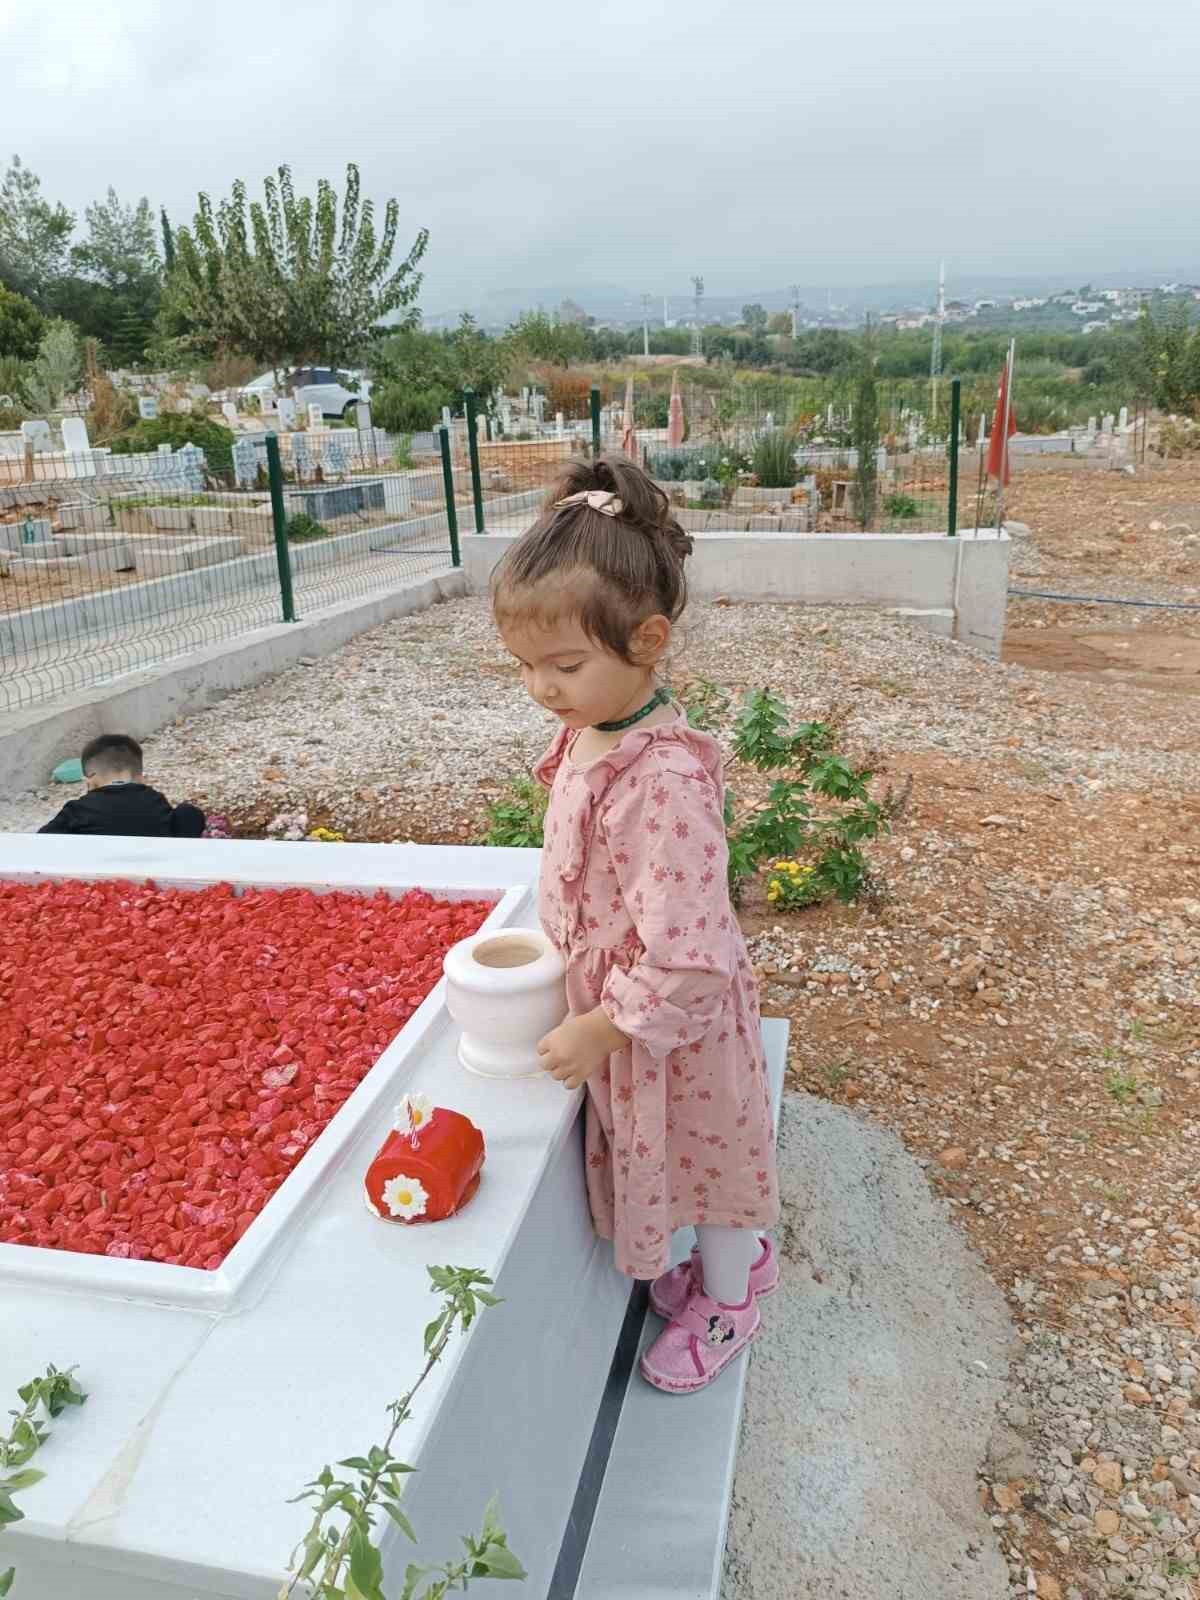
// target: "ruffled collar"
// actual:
[[632, 745]]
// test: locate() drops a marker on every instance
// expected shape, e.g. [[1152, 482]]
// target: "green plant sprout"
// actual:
[[342, 1560]]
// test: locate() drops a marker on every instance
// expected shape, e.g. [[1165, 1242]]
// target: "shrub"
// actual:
[[900, 506], [21, 326], [1179, 439], [178, 428], [773, 460], [570, 393], [402, 456], [516, 818], [302, 529], [404, 410]]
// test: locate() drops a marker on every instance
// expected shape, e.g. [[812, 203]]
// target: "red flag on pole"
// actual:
[[1004, 425]]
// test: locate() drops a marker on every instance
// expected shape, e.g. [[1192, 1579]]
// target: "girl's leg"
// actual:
[[727, 1255]]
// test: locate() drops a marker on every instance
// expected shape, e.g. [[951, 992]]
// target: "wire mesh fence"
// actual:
[[112, 564]]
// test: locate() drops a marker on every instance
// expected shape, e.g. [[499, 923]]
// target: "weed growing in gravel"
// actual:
[[516, 818], [804, 759], [835, 1073], [1122, 1085]]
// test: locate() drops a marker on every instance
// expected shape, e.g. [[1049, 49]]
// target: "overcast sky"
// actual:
[[636, 142]]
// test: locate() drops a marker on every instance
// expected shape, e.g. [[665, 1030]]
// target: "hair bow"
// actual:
[[601, 500]]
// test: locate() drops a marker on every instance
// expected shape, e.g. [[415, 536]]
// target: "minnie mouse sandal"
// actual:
[[700, 1343]]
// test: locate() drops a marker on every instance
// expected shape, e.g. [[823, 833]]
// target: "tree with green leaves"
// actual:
[[1164, 364], [285, 280], [56, 369], [866, 434], [21, 325], [537, 337], [34, 235], [755, 317], [168, 240], [120, 247]]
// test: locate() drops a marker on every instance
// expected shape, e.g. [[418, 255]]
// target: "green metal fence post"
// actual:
[[448, 480], [473, 448], [283, 556], [595, 421], [955, 409]]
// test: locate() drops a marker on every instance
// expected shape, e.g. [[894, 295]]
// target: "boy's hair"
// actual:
[[608, 572], [111, 752]]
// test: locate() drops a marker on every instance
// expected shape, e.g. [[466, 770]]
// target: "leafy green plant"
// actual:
[[13, 374], [773, 460], [402, 456], [787, 824], [516, 818], [397, 409], [341, 1560], [866, 437], [1122, 1086], [704, 702], [303, 529], [55, 370], [51, 1395], [178, 428], [900, 506]]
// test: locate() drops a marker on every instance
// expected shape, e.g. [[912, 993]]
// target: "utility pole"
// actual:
[[697, 304], [645, 324], [935, 359], [795, 311]]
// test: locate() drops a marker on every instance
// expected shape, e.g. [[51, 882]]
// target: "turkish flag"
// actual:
[[997, 461]]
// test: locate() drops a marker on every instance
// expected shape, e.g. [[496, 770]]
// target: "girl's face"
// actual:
[[577, 679]]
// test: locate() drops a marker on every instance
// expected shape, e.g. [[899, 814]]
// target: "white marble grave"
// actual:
[[75, 436], [214, 1396]]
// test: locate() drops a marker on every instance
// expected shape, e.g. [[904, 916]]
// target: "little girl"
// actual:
[[664, 1026]]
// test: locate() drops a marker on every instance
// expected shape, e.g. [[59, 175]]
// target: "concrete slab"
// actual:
[[658, 1531], [870, 1399]]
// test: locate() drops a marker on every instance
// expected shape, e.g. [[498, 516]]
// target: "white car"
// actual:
[[336, 392]]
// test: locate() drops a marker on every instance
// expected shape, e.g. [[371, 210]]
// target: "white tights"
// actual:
[[727, 1254]]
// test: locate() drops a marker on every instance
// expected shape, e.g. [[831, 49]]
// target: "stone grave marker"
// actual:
[[1123, 418], [75, 436], [301, 456], [1107, 425], [316, 417], [287, 411], [148, 407], [230, 412], [245, 463], [362, 412], [336, 456], [37, 433]]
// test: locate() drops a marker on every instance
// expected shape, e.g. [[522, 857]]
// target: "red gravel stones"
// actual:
[[168, 1055]]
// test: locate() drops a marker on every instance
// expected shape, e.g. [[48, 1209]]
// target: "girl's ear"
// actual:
[[650, 640]]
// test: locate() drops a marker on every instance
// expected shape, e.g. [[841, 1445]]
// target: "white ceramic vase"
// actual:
[[506, 991]]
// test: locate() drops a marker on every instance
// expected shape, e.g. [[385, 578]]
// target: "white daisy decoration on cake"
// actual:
[[413, 1112], [405, 1198]]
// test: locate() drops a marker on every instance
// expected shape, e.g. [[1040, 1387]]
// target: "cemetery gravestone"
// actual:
[[37, 433], [287, 411], [245, 464], [1123, 418], [75, 436], [148, 407], [230, 412], [363, 413], [337, 457], [316, 417], [301, 456]]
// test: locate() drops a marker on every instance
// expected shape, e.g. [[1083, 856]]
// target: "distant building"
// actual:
[[1033, 302], [1095, 327], [985, 305], [1087, 308]]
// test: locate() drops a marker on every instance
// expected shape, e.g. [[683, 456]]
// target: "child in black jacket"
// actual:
[[118, 801]]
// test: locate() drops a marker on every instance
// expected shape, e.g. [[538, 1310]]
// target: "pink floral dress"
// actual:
[[633, 894]]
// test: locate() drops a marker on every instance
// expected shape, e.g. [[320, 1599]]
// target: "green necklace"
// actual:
[[660, 697]]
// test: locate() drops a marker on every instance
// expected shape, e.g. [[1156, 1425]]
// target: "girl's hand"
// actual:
[[578, 1046]]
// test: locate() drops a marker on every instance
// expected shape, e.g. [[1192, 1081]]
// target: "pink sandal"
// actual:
[[670, 1293], [700, 1343]]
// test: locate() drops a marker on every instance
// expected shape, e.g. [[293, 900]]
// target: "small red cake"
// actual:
[[428, 1166]]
